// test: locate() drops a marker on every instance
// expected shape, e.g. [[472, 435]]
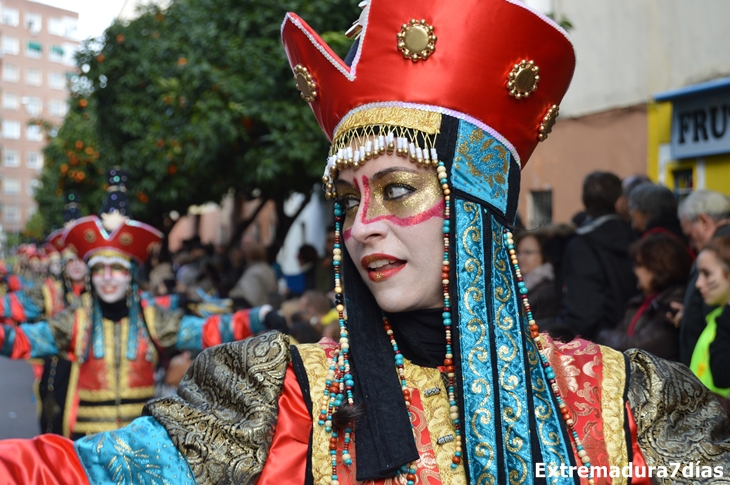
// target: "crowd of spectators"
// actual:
[[626, 273]]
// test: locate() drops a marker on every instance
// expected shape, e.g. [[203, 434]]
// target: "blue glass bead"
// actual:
[[349, 382], [457, 453], [335, 263], [446, 315], [523, 291], [445, 230], [447, 321], [454, 465], [550, 374], [320, 422], [348, 461]]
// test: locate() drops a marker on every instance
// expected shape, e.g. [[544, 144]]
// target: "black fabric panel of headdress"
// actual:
[[384, 440], [301, 374]]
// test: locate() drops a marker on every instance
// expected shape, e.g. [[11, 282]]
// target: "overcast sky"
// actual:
[[94, 15]]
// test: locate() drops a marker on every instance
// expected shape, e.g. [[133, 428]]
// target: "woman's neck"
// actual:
[[114, 311], [420, 335]]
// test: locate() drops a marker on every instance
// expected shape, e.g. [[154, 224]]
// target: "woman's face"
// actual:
[[76, 270], [394, 213], [645, 279], [110, 281], [713, 280], [638, 219], [529, 255]]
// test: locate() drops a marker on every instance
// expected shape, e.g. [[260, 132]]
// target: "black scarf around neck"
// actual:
[[114, 311]]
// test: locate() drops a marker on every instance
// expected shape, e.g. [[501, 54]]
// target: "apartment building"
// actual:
[[37, 44]]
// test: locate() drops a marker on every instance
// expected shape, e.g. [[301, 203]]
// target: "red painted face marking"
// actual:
[[424, 204]]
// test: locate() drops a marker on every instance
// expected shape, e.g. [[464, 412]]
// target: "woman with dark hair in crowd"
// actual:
[[538, 272], [661, 265]]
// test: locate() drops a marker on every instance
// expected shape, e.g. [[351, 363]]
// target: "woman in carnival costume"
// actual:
[[440, 375], [114, 344], [65, 282]]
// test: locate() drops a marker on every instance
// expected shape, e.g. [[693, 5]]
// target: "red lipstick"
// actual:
[[385, 267]]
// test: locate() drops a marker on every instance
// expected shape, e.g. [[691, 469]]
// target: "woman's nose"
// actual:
[[365, 228]]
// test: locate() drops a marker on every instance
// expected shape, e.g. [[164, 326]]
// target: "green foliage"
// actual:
[[199, 99], [71, 163], [193, 101]]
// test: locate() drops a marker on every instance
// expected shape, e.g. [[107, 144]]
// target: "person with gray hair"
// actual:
[[653, 208], [704, 215]]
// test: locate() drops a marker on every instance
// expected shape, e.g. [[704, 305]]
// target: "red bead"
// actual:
[[450, 368], [448, 362], [334, 388], [456, 459], [406, 393], [411, 477]]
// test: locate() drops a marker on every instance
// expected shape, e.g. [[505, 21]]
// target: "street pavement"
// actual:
[[18, 411]]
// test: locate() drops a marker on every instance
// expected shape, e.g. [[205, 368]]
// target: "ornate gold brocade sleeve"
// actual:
[[223, 419], [679, 421], [163, 325]]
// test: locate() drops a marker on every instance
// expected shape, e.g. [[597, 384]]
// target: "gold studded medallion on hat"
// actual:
[[547, 122], [305, 83], [523, 79], [416, 40]]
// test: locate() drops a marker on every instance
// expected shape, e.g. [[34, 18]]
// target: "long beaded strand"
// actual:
[[549, 373], [449, 357]]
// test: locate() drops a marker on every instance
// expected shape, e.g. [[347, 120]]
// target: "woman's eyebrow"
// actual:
[[386, 171], [344, 184]]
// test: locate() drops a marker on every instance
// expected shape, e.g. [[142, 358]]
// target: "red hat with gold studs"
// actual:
[[131, 240], [495, 63]]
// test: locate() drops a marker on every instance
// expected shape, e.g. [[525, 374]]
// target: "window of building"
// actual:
[[33, 22], [33, 49], [11, 101], [57, 107], [33, 105], [11, 158], [11, 214], [11, 130], [56, 80], [69, 50], [11, 45], [35, 160], [11, 186], [683, 183], [11, 17], [541, 207], [56, 53], [11, 73], [33, 76], [56, 27], [33, 133], [32, 186]]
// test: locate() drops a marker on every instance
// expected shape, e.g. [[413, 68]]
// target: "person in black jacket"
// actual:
[[597, 271]]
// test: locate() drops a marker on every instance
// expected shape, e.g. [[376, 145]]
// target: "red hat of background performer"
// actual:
[[55, 242], [132, 239], [26, 249], [470, 60]]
